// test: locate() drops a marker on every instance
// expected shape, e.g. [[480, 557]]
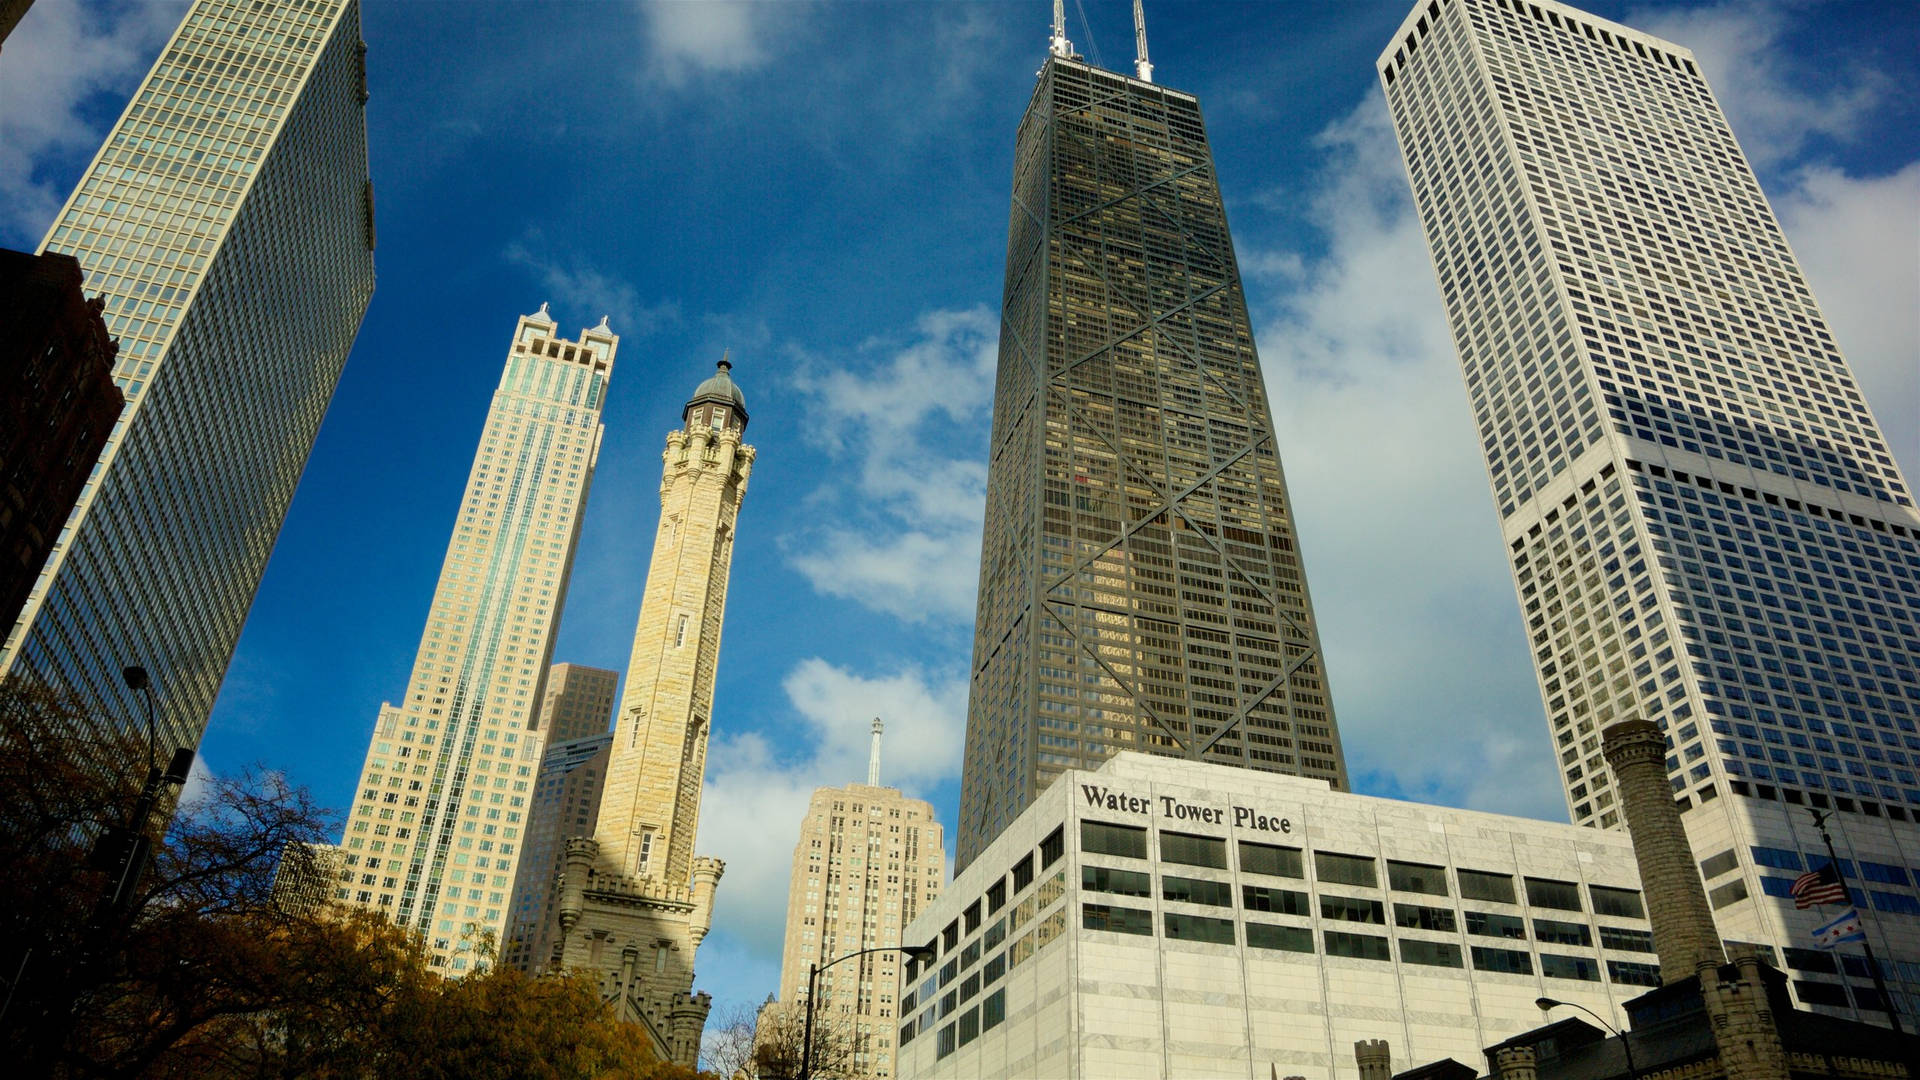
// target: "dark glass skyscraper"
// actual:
[[1140, 581]]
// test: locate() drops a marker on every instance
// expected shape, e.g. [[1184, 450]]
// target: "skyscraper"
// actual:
[[1706, 527], [1141, 584], [635, 901], [439, 820], [228, 221], [868, 861], [566, 800]]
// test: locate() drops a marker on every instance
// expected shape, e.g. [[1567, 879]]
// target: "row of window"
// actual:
[[1182, 927], [1271, 860]]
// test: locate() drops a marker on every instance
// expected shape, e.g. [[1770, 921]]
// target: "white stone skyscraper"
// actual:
[[228, 221], [869, 860], [440, 818], [1705, 525]]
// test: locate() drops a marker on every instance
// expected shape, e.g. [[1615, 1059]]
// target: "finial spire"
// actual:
[[1142, 69], [873, 758], [1059, 45], [726, 364]]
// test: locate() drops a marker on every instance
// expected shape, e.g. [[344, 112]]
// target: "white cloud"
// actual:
[[690, 37], [1775, 104], [907, 541], [1398, 531], [755, 798], [1858, 239], [63, 57], [589, 293]]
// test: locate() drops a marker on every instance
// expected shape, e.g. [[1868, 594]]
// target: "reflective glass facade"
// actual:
[[440, 819], [1141, 586], [1705, 524], [228, 222]]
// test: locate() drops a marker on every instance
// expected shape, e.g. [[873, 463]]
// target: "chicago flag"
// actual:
[[1845, 928]]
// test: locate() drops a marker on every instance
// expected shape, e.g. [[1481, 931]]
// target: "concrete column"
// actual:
[[1684, 934], [1374, 1058]]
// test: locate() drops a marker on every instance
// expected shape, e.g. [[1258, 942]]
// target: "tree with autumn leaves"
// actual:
[[201, 973]]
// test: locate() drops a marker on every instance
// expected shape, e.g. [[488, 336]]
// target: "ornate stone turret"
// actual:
[[1516, 1063], [636, 901], [1375, 1059]]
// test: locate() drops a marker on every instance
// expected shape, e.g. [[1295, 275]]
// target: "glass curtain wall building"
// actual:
[[1706, 527], [1141, 584], [228, 222], [441, 815]]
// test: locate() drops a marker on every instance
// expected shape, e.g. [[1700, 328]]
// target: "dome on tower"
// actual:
[[719, 389]]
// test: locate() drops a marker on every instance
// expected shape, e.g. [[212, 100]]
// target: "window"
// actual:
[[1198, 928], [1100, 838], [1814, 993], [1054, 846], [1270, 860], [1882, 873], [1551, 932], [997, 896], [1629, 973], [995, 968], [1559, 895], [1620, 903], [1416, 877], [1192, 850], [680, 632], [1482, 885], [1812, 960], [1345, 869], [1512, 961], [972, 916], [1584, 968], [1122, 882], [1348, 909], [1120, 920], [1283, 901], [993, 1010], [1023, 872], [1280, 938], [1715, 865], [944, 1044], [1487, 924], [1362, 946], [1778, 858], [1731, 893], [969, 1026], [1618, 937], [1197, 891], [1416, 917], [1430, 953]]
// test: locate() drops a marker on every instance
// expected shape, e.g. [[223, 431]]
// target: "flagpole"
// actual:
[[1873, 965]]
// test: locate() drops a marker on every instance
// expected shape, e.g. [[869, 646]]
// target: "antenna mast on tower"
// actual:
[[1060, 46], [873, 758], [1142, 69]]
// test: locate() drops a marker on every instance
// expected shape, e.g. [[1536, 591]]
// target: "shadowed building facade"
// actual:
[[566, 800], [228, 223], [1705, 526], [439, 822], [635, 901], [1141, 585]]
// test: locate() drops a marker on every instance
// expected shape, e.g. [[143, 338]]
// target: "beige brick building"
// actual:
[[868, 861], [438, 822], [635, 901]]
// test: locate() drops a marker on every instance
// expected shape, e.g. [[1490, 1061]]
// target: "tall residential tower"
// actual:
[[1706, 527], [439, 822], [1141, 584], [868, 861], [228, 221], [635, 901]]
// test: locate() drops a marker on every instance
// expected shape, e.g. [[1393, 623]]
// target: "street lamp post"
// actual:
[[130, 845], [1546, 1004], [914, 952], [1873, 964]]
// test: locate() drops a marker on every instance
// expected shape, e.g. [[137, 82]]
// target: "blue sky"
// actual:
[[822, 189]]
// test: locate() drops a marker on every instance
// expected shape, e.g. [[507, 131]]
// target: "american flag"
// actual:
[[1820, 886]]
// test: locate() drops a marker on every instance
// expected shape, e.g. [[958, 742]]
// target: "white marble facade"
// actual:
[[1025, 987]]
